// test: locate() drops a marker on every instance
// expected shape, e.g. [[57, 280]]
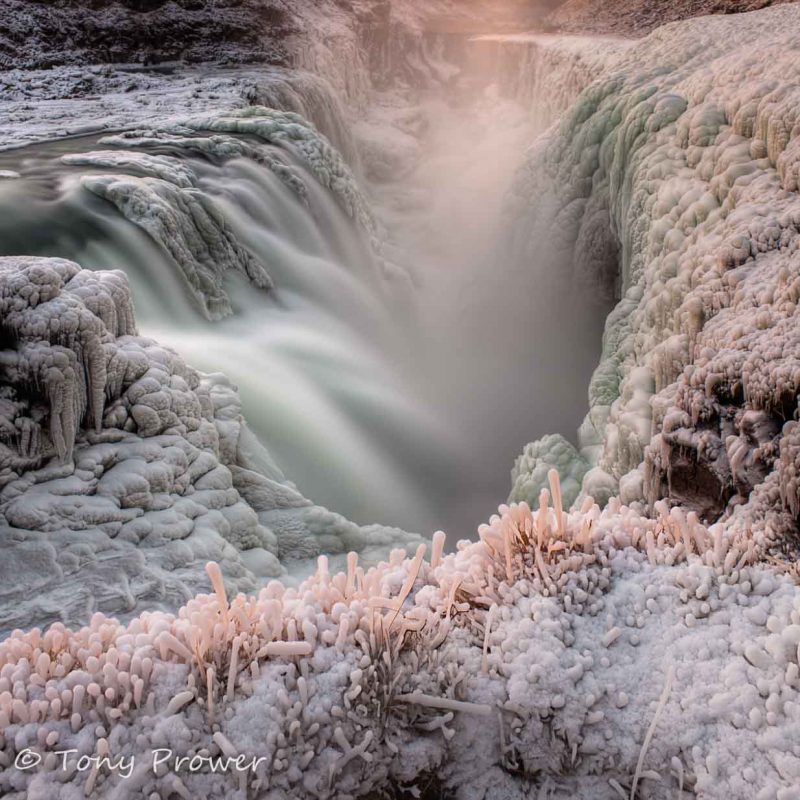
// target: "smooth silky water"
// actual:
[[398, 396]]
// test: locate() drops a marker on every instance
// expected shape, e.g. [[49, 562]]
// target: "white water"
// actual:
[[387, 402]]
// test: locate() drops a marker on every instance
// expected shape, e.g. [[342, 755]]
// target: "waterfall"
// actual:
[[362, 284], [190, 219]]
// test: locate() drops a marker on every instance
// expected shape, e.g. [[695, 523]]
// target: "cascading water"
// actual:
[[393, 394], [312, 358]]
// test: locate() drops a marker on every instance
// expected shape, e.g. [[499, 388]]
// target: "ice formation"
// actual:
[[545, 73], [683, 159], [599, 651], [52, 103], [161, 193], [123, 470], [291, 131], [189, 226], [531, 468]]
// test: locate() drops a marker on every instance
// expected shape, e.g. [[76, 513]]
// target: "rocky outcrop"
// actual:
[[692, 176], [122, 469], [35, 35]]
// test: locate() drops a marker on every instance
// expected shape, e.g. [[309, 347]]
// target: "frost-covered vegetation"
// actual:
[[576, 654]]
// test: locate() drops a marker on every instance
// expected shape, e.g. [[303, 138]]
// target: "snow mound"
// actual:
[[585, 654], [683, 160], [122, 469], [531, 468]]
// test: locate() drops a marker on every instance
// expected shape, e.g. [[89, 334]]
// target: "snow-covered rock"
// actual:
[[587, 654], [682, 158], [53, 103], [639, 17], [545, 73], [122, 469]]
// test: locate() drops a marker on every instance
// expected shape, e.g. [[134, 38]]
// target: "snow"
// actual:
[[41, 105], [596, 650], [682, 155], [529, 475], [546, 73], [124, 469]]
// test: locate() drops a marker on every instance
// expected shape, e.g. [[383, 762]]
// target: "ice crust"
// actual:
[[531, 468], [679, 168], [123, 469], [49, 104]]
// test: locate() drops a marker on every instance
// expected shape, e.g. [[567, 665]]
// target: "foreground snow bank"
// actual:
[[676, 175], [122, 469], [582, 655]]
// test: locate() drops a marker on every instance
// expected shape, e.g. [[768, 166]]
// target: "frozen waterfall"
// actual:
[[391, 343]]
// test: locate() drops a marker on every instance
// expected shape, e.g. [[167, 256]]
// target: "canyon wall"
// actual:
[[677, 171]]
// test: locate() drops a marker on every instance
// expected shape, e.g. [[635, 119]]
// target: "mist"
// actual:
[[504, 342]]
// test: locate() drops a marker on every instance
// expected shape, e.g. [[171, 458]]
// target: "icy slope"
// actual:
[[123, 469], [678, 171], [584, 655]]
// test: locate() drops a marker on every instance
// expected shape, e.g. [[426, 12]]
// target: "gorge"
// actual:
[[368, 271]]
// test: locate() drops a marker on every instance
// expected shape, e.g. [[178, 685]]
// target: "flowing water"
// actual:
[[395, 390]]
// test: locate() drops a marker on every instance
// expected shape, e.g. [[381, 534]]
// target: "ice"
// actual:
[[683, 154], [529, 475], [631, 629], [596, 650], [190, 227], [124, 469]]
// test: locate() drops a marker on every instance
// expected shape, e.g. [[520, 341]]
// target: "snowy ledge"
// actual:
[[590, 654]]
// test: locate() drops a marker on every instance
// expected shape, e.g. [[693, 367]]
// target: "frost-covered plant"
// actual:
[[354, 683]]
